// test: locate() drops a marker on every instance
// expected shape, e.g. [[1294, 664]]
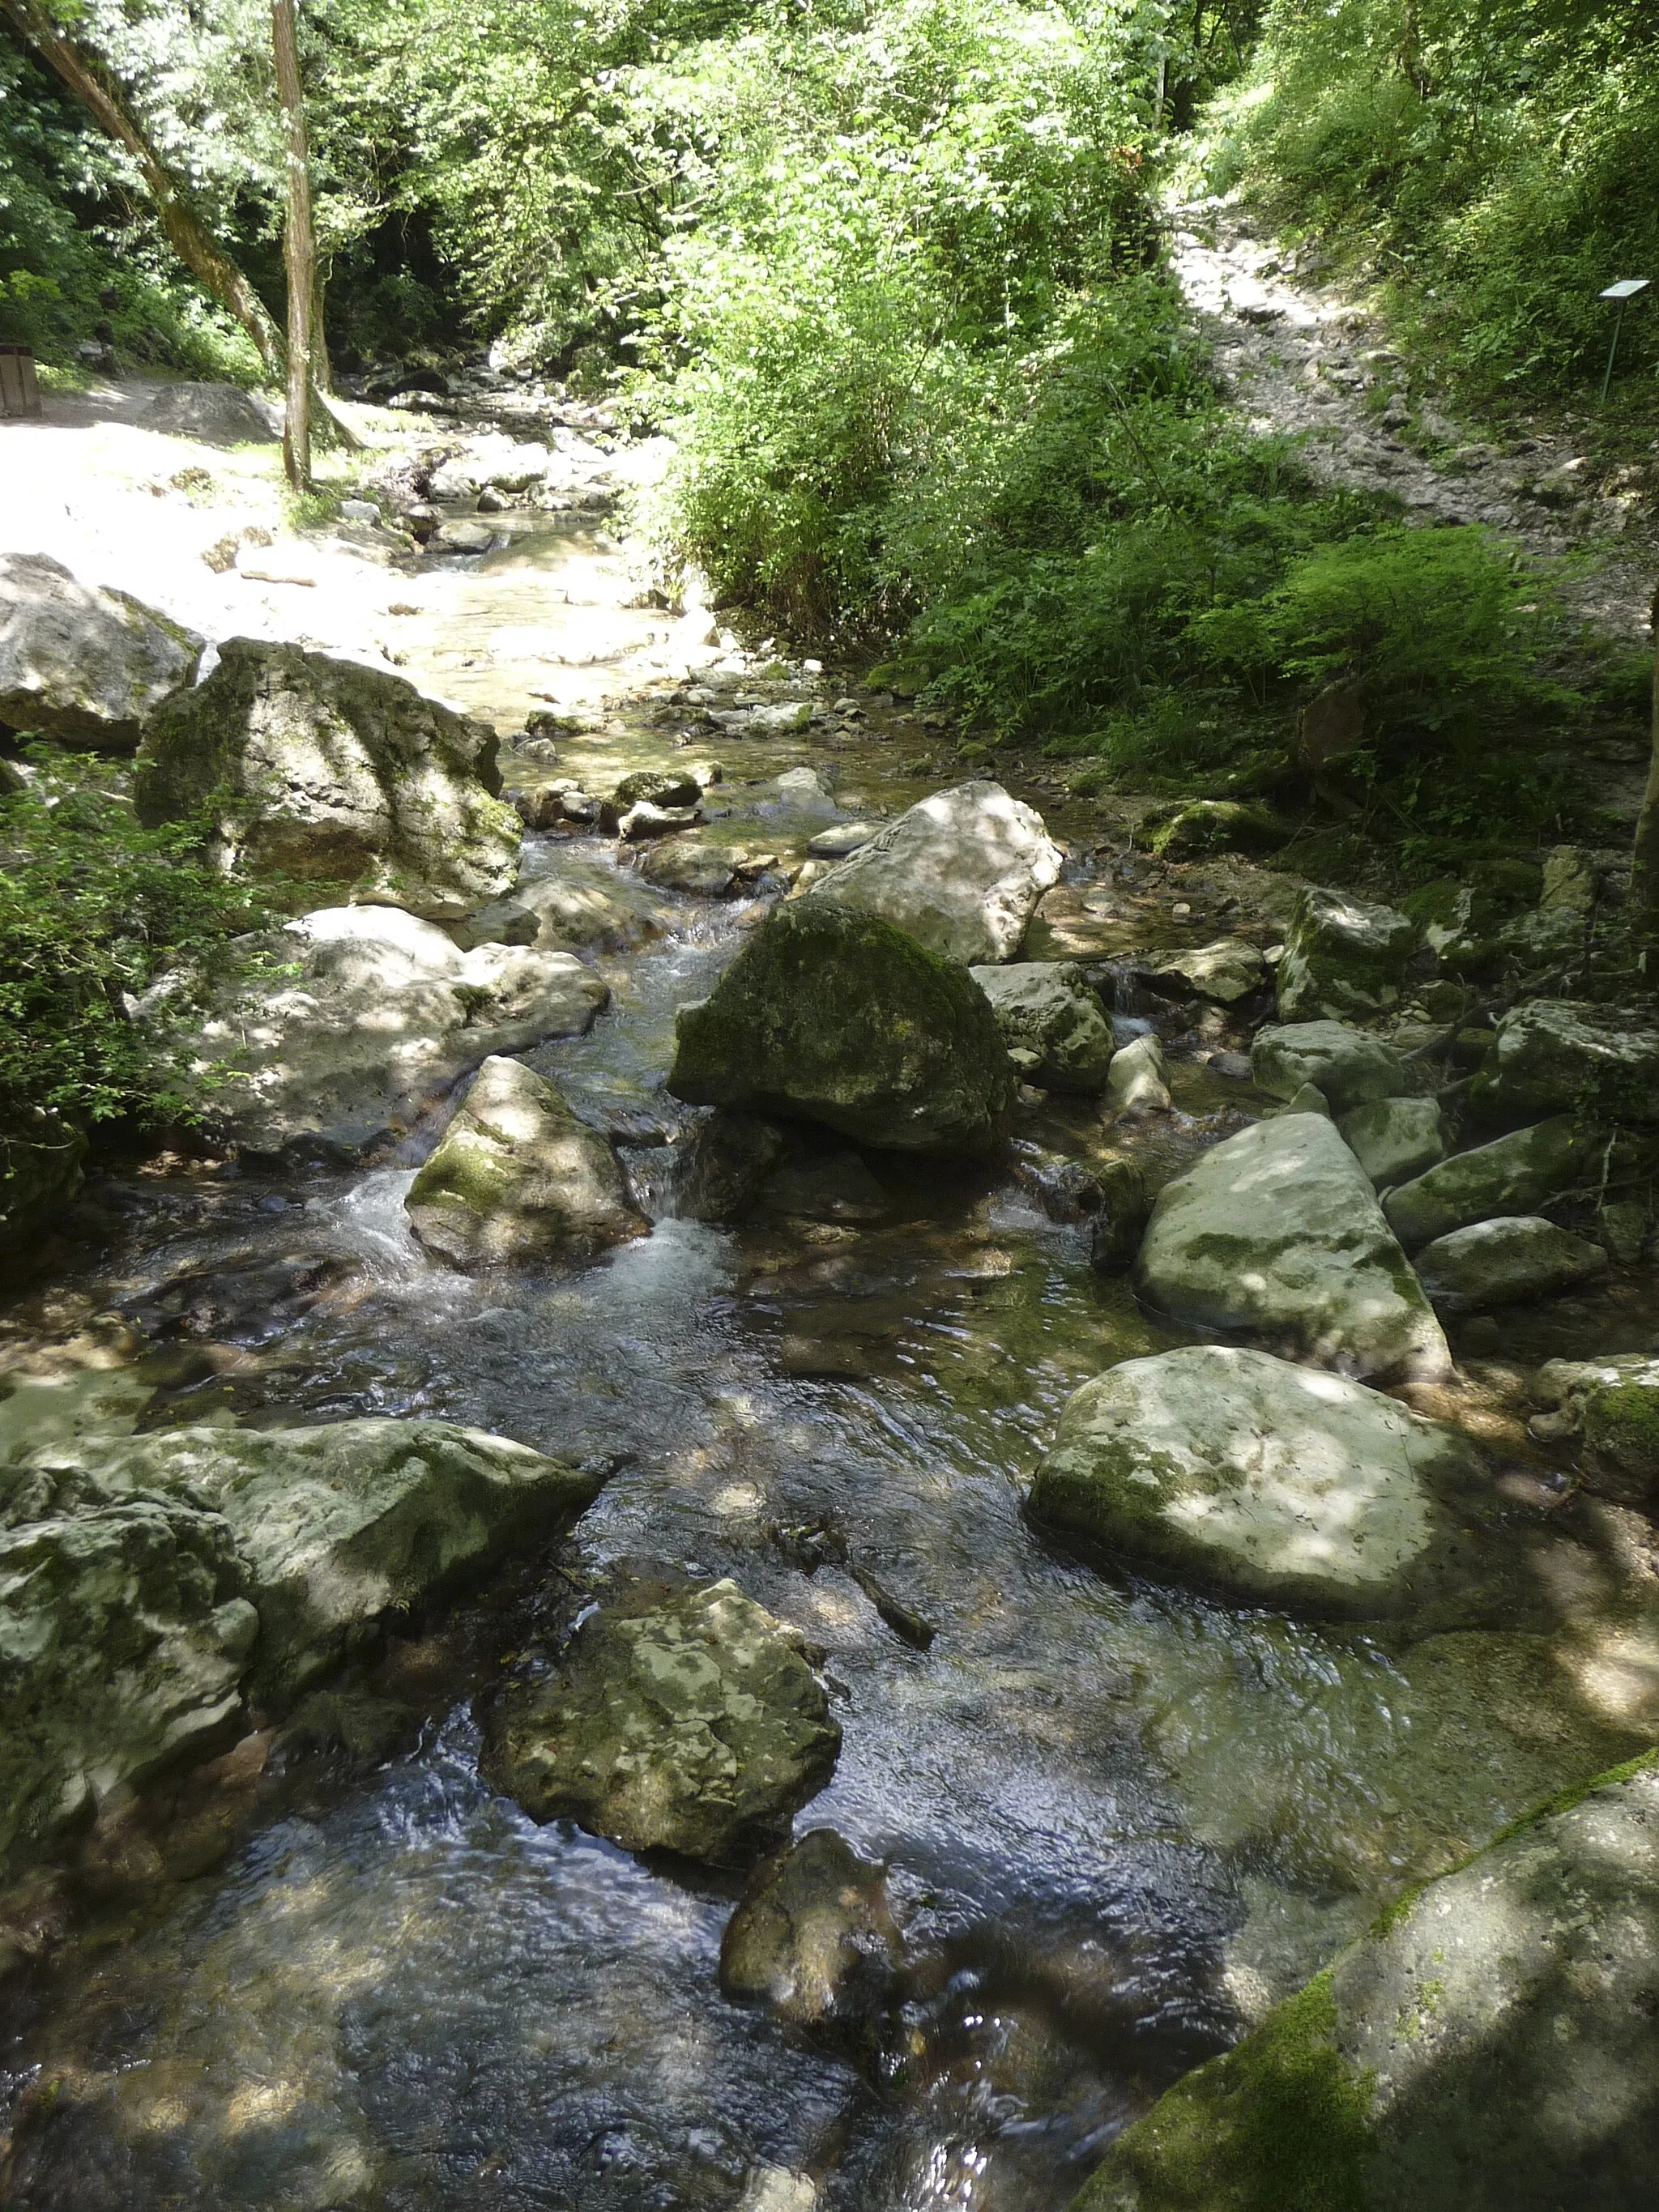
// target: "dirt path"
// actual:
[[1313, 361]]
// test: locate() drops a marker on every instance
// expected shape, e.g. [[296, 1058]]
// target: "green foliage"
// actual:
[[1498, 158], [93, 911]]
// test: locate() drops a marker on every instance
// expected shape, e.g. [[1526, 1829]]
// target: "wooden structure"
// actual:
[[18, 392]]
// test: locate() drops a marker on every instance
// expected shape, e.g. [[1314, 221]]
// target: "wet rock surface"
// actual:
[[813, 1937], [677, 1719]]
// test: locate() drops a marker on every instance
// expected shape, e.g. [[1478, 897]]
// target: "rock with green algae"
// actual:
[[681, 1718], [1394, 1139], [1275, 1484], [1611, 1406], [1516, 1173], [1491, 2045], [1343, 956], [1350, 1068], [813, 1937], [842, 1018], [1556, 1056], [338, 1528], [517, 1179], [1276, 1234], [330, 772], [1053, 1022], [1182, 828], [1506, 1263]]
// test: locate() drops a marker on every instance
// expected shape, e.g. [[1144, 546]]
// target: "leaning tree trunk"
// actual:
[[1644, 860], [187, 234], [299, 247]]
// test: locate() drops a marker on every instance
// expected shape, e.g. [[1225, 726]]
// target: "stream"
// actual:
[[1120, 1820]]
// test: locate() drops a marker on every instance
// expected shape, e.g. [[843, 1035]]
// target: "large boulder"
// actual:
[[1515, 1173], [516, 1178], [1396, 1139], [842, 1018], [1343, 956], [81, 663], [1611, 1407], [124, 1632], [1347, 1068], [1491, 2045], [1277, 1233], [341, 1528], [1056, 1030], [962, 872], [330, 772], [214, 414], [683, 1719], [1279, 1484], [383, 1017], [1554, 1056], [1506, 1263]]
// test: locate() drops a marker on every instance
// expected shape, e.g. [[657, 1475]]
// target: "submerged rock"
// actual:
[[1343, 956], [1505, 1263], [1056, 1030], [1348, 1068], [516, 1178], [1516, 1173], [330, 772], [582, 906], [844, 1019], [1491, 2045], [683, 1719], [813, 1938], [1611, 1407], [1279, 1485], [962, 873], [1394, 1139], [383, 1017], [1553, 1056], [81, 663], [1278, 1232], [124, 1632], [341, 1528]]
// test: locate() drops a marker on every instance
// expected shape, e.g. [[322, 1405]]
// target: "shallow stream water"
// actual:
[[1120, 1819]]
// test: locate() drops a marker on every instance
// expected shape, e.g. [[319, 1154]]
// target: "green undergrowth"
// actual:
[[93, 910]]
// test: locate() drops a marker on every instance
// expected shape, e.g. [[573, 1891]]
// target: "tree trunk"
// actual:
[[299, 247], [1645, 857], [187, 234]]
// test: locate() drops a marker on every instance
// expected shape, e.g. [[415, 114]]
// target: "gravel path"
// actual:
[[1311, 360]]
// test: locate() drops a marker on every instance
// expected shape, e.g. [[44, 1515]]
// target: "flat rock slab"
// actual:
[[82, 664], [1347, 1066], [1516, 1173], [343, 1526], [516, 1179], [1057, 1032], [1492, 2046], [1278, 1484], [962, 873], [842, 1018], [1505, 1263], [384, 1016], [1277, 1233], [1394, 1139], [1554, 1056], [677, 1718]]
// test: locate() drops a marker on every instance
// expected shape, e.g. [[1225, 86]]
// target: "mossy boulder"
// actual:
[[1396, 1139], [330, 772], [1611, 1406], [1347, 1068], [1554, 1056], [681, 1718], [839, 1017], [517, 1179], [1277, 1234], [1057, 1032], [81, 663], [1493, 2045], [1515, 1173], [1343, 956], [1274, 1484], [1182, 830], [1508, 1262]]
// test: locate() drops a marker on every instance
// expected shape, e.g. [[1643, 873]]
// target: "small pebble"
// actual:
[[1181, 911]]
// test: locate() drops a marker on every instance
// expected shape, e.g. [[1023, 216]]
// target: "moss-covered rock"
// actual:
[[1394, 1139], [1508, 1262], [1343, 956], [677, 1718], [330, 772], [517, 1179], [1056, 1030], [81, 663], [1492, 2046], [1517, 1174], [1348, 1068], [1183, 829], [1611, 1407], [842, 1018], [1554, 1056]]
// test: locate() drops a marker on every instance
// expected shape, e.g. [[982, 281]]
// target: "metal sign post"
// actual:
[[1623, 292]]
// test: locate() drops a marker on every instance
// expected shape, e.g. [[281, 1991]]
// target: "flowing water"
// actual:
[[1119, 1819]]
